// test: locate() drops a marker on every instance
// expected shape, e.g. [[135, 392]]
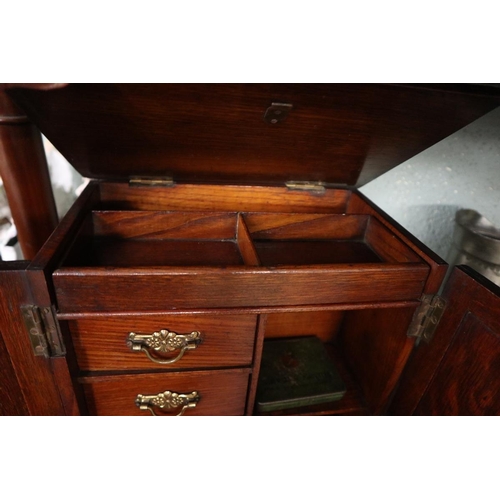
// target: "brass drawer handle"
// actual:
[[163, 341], [167, 401]]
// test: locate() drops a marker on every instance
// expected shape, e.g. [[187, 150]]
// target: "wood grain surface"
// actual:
[[25, 175], [101, 343], [151, 225], [338, 133], [222, 392], [28, 382], [458, 372], [275, 226], [199, 197], [375, 348], [160, 289]]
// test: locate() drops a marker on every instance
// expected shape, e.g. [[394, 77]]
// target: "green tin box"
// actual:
[[296, 372]]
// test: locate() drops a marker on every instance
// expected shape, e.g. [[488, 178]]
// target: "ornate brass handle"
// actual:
[[163, 341], [167, 401]]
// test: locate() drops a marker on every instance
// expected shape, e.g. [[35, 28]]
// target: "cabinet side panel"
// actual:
[[32, 375], [468, 380], [11, 396], [465, 291], [376, 347]]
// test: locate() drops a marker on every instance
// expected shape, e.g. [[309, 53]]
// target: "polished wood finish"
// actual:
[[458, 372], [360, 204], [222, 392], [338, 133], [321, 324], [375, 348], [30, 385], [254, 377], [157, 289], [285, 226], [54, 249], [101, 343], [152, 225], [243, 262], [387, 245], [11, 395], [199, 197], [245, 244], [80, 287], [24, 171]]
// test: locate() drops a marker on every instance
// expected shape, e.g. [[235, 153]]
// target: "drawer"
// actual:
[[220, 392], [129, 260], [103, 343]]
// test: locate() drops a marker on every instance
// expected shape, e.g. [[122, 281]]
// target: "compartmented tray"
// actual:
[[177, 256], [158, 238]]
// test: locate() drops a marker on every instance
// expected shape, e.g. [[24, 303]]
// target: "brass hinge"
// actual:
[[426, 318], [151, 181], [43, 330], [312, 186]]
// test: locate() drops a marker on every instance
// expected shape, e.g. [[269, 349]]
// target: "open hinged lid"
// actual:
[[249, 133]]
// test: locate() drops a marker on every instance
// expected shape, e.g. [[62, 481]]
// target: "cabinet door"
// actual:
[[29, 385], [458, 373]]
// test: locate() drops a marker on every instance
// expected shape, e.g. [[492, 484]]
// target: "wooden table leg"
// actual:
[[24, 171]]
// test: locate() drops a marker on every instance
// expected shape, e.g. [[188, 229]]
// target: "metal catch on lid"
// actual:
[[277, 112]]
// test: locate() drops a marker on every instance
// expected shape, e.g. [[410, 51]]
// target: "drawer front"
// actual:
[[220, 392], [103, 343]]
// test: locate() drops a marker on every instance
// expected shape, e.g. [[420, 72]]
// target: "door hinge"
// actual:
[[151, 181], [43, 330], [426, 318], [312, 186]]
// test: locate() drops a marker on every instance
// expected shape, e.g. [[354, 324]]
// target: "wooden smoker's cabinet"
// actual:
[[224, 215]]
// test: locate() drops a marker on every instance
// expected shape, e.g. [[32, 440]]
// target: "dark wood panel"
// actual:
[[101, 343], [69, 393], [57, 245], [196, 197], [152, 225], [25, 175], [346, 306], [467, 381], [217, 132], [101, 289], [245, 244], [265, 226], [11, 395], [360, 204], [322, 324], [114, 252], [376, 349], [222, 392], [387, 245], [306, 253], [469, 331], [33, 376]]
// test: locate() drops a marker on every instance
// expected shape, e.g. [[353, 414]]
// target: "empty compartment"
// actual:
[[140, 239], [314, 239]]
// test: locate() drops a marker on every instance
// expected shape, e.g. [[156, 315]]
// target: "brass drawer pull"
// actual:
[[163, 341], [167, 401]]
